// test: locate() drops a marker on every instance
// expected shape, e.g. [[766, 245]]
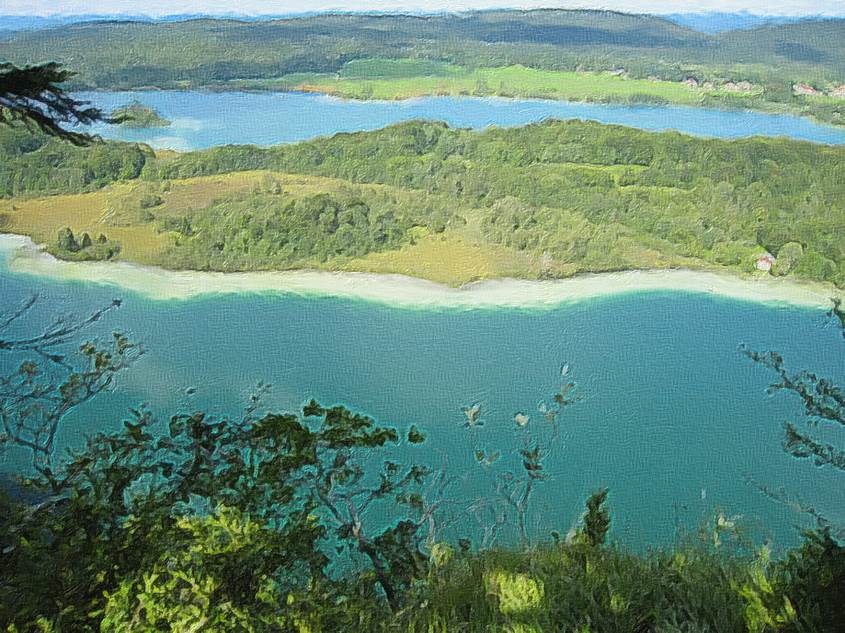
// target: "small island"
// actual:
[[138, 115]]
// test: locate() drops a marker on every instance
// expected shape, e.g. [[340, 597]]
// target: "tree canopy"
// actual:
[[33, 94]]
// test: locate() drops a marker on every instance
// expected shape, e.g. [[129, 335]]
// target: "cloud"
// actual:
[[259, 7]]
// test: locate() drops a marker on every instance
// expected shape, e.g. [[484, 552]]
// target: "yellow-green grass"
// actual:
[[454, 257], [512, 81], [42, 218], [449, 258]]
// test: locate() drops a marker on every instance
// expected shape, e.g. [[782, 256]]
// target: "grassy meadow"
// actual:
[[510, 81], [152, 236]]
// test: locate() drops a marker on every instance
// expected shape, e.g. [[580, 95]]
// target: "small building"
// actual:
[[765, 262], [742, 86], [692, 82], [838, 92], [805, 89]]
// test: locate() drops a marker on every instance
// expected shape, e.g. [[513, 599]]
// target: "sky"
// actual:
[[276, 7]]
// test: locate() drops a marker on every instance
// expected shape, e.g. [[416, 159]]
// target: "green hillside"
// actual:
[[546, 200], [201, 52]]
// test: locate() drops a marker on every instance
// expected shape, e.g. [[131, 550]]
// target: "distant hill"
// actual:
[[198, 52], [819, 43], [719, 22], [10, 23]]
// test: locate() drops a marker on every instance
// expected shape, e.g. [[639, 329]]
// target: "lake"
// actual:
[[205, 119], [673, 418]]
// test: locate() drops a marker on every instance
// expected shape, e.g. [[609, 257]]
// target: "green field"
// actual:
[[513, 81], [386, 79]]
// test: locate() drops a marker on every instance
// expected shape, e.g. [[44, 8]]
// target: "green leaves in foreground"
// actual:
[[220, 523]]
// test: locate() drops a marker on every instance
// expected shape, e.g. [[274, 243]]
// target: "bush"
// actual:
[[787, 258]]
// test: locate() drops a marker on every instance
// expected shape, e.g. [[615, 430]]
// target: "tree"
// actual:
[[216, 513], [514, 486], [33, 95], [596, 520], [49, 383], [824, 407], [66, 241]]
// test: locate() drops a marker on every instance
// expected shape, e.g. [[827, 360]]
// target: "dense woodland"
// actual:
[[32, 162]]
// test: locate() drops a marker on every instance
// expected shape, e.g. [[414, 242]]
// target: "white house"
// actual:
[[765, 262]]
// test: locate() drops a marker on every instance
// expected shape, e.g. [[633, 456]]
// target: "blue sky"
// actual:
[[258, 7]]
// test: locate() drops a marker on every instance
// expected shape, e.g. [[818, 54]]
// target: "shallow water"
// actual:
[[673, 419], [205, 119]]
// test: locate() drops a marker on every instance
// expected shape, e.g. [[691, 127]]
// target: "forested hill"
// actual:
[[206, 51], [550, 199]]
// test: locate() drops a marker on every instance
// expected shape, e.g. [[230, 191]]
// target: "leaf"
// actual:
[[415, 436]]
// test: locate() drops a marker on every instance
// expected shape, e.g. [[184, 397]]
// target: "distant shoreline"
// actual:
[[401, 291], [770, 108]]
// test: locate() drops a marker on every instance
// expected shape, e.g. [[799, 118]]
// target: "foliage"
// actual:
[[33, 95], [275, 230], [824, 405], [596, 520], [35, 163], [138, 115], [216, 517], [37, 397], [514, 480], [812, 576], [576, 587], [85, 249], [594, 197]]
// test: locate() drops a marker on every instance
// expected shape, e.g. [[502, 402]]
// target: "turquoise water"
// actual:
[[205, 119], [673, 418]]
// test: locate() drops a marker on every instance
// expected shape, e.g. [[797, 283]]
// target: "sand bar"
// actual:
[[23, 256]]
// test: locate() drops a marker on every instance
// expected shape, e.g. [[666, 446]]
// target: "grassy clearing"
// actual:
[[43, 218], [453, 257], [449, 258], [511, 81]]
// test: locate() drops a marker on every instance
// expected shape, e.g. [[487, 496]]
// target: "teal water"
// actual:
[[206, 119], [673, 418]]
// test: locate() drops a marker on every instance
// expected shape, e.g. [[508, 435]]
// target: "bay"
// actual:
[[205, 119]]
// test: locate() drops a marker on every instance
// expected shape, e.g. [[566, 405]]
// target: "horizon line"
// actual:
[[406, 12]]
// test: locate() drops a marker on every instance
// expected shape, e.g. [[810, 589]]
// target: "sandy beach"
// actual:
[[23, 256]]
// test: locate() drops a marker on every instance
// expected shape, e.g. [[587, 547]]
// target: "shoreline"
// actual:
[[158, 284]]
